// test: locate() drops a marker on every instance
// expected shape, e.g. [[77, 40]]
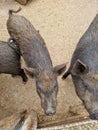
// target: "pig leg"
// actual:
[[23, 75], [66, 75]]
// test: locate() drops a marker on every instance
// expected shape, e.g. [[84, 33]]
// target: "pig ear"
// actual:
[[79, 68], [59, 69], [31, 72]]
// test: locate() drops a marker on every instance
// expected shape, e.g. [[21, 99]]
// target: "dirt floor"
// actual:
[[61, 23]]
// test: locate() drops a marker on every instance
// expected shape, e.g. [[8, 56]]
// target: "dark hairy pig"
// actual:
[[37, 58], [10, 61], [84, 69]]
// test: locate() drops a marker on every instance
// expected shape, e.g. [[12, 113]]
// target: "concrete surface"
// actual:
[[61, 23]]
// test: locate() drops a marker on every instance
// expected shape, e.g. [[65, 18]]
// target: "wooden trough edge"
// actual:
[[67, 125], [66, 120]]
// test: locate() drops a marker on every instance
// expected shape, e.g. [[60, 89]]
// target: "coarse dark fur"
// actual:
[[84, 69], [37, 58], [10, 61]]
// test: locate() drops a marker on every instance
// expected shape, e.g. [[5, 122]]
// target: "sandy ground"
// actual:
[[61, 23]]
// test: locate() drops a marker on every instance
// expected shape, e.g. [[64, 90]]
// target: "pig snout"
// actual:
[[49, 107], [48, 96], [51, 110]]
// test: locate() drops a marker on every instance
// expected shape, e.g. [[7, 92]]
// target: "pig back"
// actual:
[[19, 27], [87, 48], [30, 42], [9, 59], [36, 54]]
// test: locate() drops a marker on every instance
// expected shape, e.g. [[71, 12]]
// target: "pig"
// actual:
[[23, 2], [84, 69], [20, 121], [36, 56], [10, 60]]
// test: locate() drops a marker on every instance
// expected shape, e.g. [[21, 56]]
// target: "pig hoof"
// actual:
[[24, 78], [23, 75], [65, 75]]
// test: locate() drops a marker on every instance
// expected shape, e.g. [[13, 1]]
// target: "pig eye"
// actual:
[[38, 88], [55, 86], [85, 85]]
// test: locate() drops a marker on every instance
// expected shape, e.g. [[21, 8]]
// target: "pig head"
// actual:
[[84, 69], [47, 86], [86, 85]]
